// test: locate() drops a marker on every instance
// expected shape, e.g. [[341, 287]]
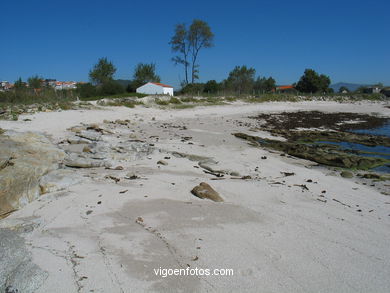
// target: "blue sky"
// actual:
[[347, 40]]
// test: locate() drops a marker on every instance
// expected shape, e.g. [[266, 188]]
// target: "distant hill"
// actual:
[[351, 86], [123, 82]]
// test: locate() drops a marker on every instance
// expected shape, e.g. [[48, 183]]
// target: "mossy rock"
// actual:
[[346, 174]]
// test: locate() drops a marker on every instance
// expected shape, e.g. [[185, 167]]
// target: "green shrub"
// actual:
[[86, 90], [174, 100], [111, 88], [231, 99], [65, 105], [161, 102]]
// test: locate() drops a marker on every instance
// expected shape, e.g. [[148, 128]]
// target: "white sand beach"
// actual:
[[108, 233]]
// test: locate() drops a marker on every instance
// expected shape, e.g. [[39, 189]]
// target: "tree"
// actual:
[[193, 88], [34, 82], [19, 84], [102, 72], [188, 43], [241, 79], [211, 87], [200, 36], [264, 85], [361, 89], [179, 43], [311, 82], [144, 73]]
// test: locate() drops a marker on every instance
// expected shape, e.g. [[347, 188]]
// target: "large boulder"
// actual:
[[25, 158]]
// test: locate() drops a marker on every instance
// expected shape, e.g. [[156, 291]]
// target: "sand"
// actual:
[[276, 235]]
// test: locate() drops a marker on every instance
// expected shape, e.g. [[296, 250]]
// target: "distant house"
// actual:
[[284, 88], [5, 86], [50, 82], [65, 85], [155, 88], [372, 90]]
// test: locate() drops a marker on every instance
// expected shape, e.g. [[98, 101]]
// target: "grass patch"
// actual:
[[231, 99], [190, 100], [183, 106], [124, 95]]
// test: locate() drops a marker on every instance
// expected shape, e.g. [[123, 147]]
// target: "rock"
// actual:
[[94, 126], [11, 289], [97, 128], [87, 149], [190, 156], [366, 176], [76, 129], [122, 122], [73, 148], [162, 162], [18, 273], [78, 140], [30, 156], [131, 176], [204, 190], [5, 161], [58, 180], [91, 135], [346, 174], [78, 161], [209, 166]]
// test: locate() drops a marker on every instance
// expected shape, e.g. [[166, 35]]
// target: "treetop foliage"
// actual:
[[241, 79], [34, 82], [144, 73], [187, 42], [102, 72], [312, 82]]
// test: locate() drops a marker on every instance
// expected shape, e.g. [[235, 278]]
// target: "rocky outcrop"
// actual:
[[320, 153], [80, 161], [58, 180], [90, 135], [25, 158], [17, 271], [204, 190]]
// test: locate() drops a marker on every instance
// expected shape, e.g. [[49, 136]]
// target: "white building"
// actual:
[[155, 88]]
